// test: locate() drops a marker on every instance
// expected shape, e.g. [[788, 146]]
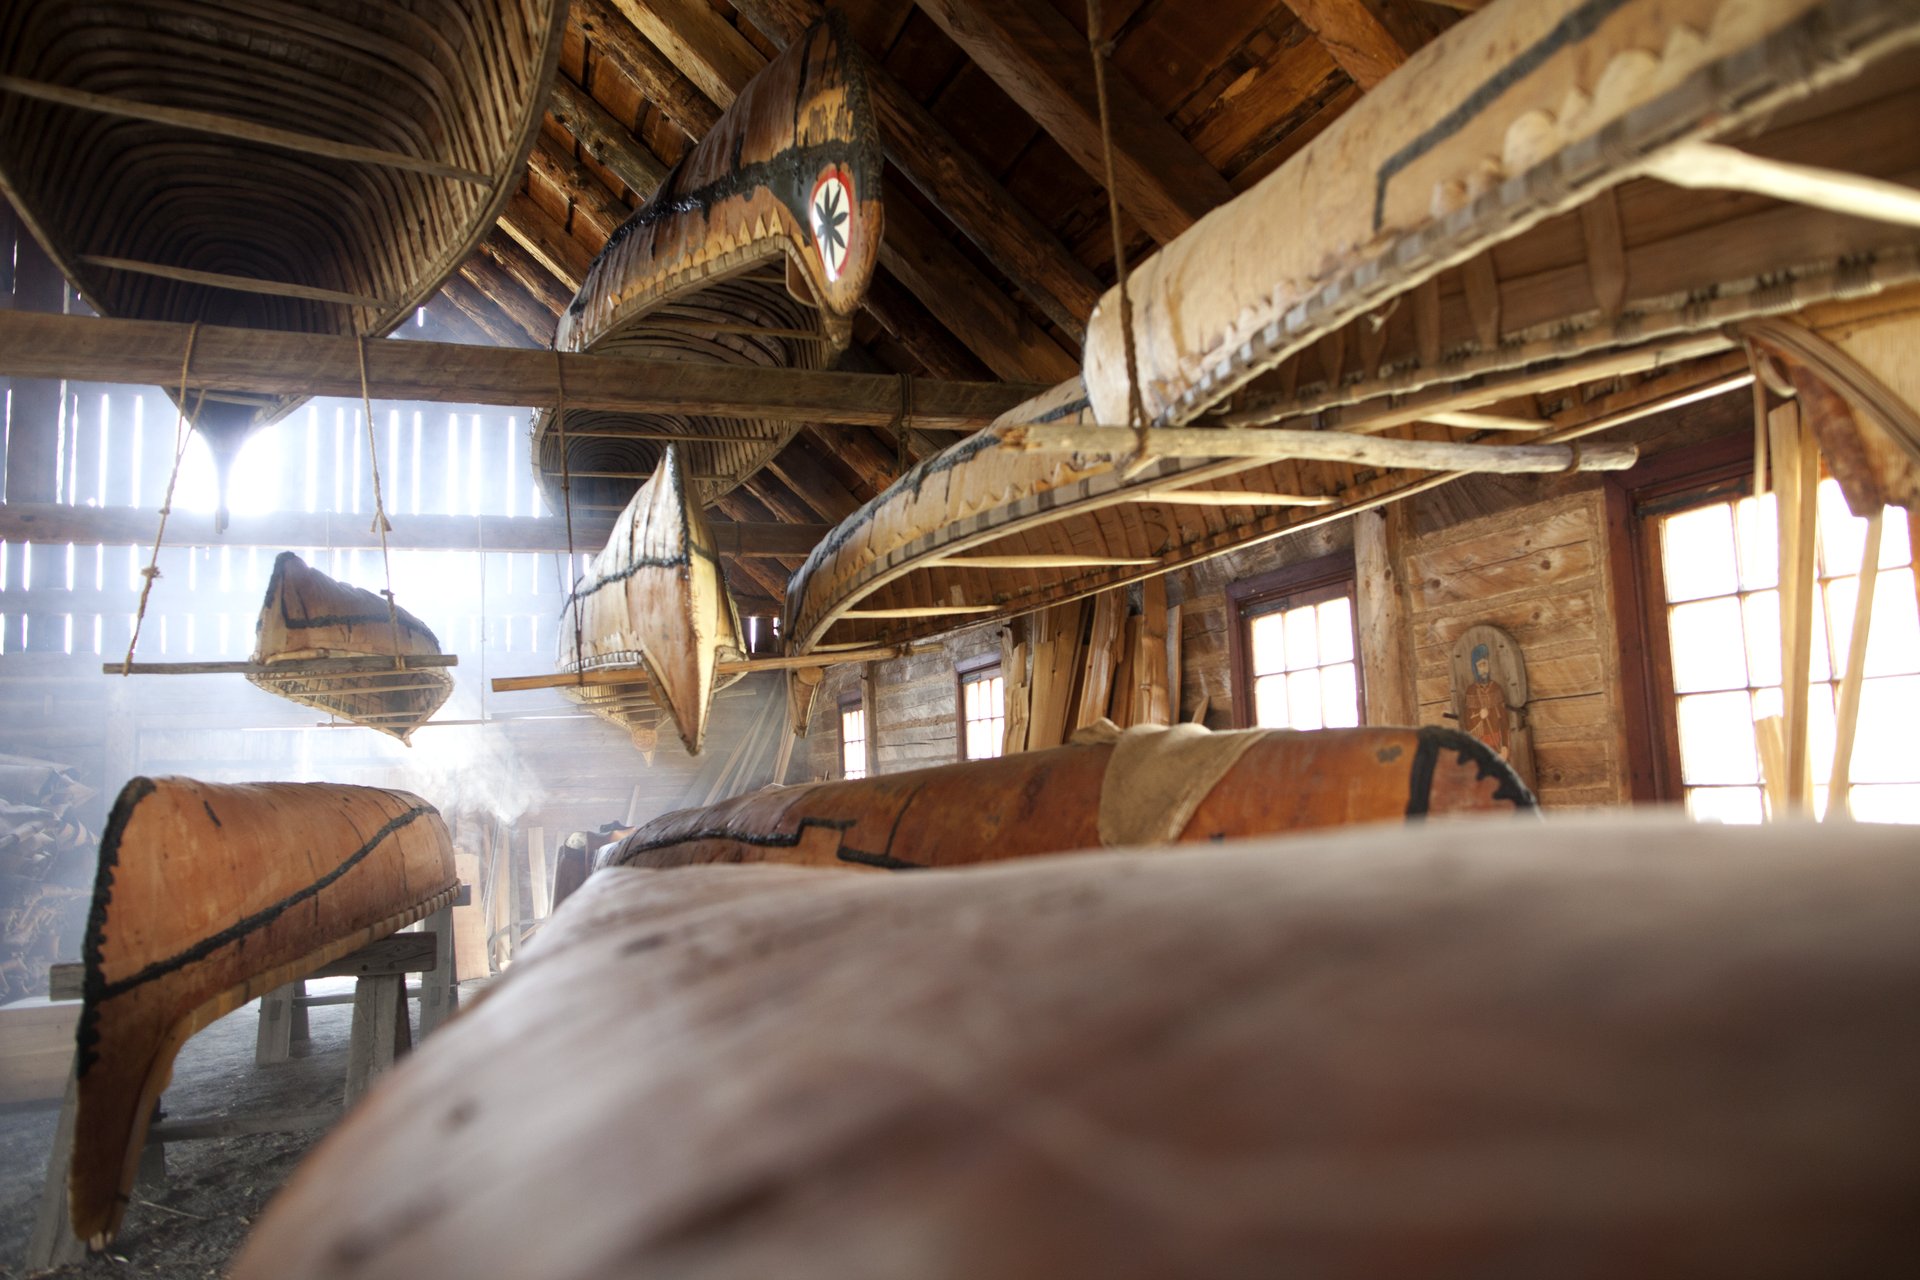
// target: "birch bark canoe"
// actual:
[[309, 615], [757, 250], [1481, 231], [319, 168], [654, 600], [1643, 1046], [1184, 786], [207, 896]]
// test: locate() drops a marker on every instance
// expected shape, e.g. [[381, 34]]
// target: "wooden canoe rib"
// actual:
[[314, 167], [655, 600], [308, 615], [1478, 237], [1229, 785], [1643, 1047], [209, 895], [757, 250]]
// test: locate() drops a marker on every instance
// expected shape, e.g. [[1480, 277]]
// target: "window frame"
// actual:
[[982, 666], [1322, 578], [1720, 470], [855, 701]]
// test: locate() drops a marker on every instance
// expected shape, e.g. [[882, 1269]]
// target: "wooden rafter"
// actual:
[[602, 135], [546, 240], [1358, 40], [1042, 63]]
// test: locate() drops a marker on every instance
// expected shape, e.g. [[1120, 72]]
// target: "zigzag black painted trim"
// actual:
[[1468, 749]]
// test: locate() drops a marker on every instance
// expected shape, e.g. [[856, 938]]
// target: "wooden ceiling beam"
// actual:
[[1356, 38], [818, 487], [541, 285], [599, 132], [548, 241], [128, 526], [989, 322], [96, 349], [924, 338], [531, 323], [618, 40], [706, 48], [1042, 63], [596, 209], [1015, 241]]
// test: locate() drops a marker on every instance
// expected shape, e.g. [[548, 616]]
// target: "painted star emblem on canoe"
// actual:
[[830, 211]]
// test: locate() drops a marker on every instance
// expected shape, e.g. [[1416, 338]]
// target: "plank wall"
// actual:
[[1540, 572]]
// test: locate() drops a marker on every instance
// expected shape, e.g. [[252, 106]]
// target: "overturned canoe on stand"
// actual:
[[1643, 1047], [654, 599], [209, 895], [320, 168], [1146, 786], [1499, 243], [757, 250], [308, 616]]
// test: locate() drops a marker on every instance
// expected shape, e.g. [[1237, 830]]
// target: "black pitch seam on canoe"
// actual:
[[1469, 749], [625, 853], [789, 167], [1576, 26], [671, 460], [276, 591], [96, 989]]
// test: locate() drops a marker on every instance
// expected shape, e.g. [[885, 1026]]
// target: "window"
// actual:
[[1292, 645], [983, 712], [1709, 564], [853, 740]]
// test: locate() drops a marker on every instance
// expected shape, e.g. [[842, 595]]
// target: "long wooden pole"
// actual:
[[51, 522], [1847, 717], [1323, 446], [149, 351], [600, 676]]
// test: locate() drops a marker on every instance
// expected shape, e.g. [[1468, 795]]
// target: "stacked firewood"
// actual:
[[46, 863], [1115, 656]]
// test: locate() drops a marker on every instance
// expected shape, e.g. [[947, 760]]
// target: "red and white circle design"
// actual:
[[830, 216]]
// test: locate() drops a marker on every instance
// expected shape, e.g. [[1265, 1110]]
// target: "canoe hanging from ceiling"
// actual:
[[308, 615], [655, 600], [1489, 247], [210, 895], [1149, 785], [1643, 1047], [316, 167], [756, 250]]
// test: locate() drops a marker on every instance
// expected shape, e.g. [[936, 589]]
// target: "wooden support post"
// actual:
[[52, 1243], [380, 1031], [439, 986], [1380, 539], [283, 1024], [537, 887]]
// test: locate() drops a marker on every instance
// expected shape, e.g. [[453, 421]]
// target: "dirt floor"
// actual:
[[215, 1188]]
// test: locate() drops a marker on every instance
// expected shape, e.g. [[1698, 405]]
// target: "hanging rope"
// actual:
[[380, 524], [1136, 409], [566, 503], [180, 436]]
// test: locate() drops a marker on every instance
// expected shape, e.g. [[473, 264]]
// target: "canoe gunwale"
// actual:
[[1792, 63]]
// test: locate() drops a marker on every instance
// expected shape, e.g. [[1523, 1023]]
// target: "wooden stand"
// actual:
[[381, 1034]]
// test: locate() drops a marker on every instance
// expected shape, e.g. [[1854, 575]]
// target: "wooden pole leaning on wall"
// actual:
[[1847, 716], [1796, 477]]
